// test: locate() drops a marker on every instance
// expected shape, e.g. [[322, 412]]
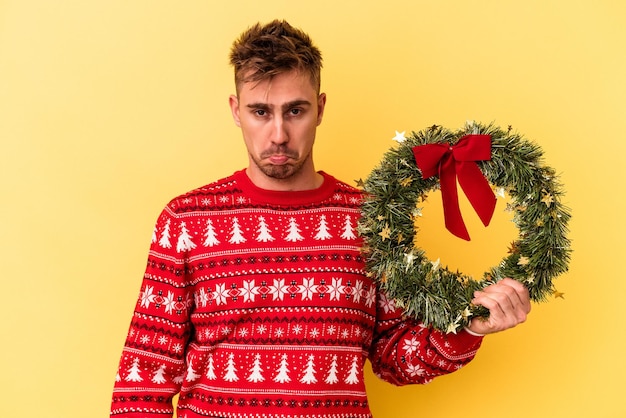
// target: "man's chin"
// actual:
[[279, 172]]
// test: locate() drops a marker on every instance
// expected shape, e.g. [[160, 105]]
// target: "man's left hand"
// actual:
[[508, 302]]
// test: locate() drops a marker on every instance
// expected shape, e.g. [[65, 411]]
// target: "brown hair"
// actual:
[[263, 51]]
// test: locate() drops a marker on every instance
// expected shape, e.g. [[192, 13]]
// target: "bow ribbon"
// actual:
[[458, 161]]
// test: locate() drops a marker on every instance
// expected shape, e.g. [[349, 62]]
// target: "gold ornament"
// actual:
[[385, 233], [547, 199]]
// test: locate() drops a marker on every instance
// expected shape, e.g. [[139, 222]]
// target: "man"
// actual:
[[255, 301]]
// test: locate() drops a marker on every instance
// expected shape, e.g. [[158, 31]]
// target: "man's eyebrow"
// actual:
[[296, 103], [285, 106], [262, 106]]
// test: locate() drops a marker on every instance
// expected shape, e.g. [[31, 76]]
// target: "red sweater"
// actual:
[[256, 304]]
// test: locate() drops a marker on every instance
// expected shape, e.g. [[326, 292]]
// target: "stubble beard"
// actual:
[[283, 171]]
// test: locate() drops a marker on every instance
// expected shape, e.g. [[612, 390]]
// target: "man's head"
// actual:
[[278, 105], [264, 51]]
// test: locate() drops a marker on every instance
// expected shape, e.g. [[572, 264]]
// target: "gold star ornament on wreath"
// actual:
[[481, 159]]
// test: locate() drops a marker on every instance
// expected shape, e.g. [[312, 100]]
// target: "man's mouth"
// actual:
[[278, 159]]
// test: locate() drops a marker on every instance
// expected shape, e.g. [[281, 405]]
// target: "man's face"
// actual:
[[278, 119]]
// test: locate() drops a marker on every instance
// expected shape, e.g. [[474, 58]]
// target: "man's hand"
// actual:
[[508, 303]]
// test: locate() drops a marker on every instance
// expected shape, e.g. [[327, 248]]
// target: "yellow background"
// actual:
[[110, 108]]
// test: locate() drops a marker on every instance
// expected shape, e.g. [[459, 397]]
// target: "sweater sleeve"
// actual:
[[152, 364], [405, 351]]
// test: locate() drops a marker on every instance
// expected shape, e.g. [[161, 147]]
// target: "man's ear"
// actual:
[[321, 104], [233, 101]]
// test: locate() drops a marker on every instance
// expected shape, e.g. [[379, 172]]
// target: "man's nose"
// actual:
[[279, 131]]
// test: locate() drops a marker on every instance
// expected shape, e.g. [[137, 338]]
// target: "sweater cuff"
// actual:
[[475, 334]]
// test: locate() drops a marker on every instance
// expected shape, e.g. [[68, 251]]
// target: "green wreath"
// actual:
[[437, 296]]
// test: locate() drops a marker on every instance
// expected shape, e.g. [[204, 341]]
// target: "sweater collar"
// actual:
[[287, 198]]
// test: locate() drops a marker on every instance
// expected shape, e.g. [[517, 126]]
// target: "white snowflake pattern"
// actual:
[[358, 291], [187, 200], [279, 289], [415, 370], [336, 289], [387, 304], [279, 332], [262, 329], [345, 334], [202, 297], [331, 330], [297, 329], [147, 297], [169, 302], [248, 291], [314, 333], [206, 201], [162, 340], [337, 196], [224, 199], [241, 200], [243, 332], [411, 345], [370, 297], [221, 293], [307, 288], [145, 339], [177, 348]]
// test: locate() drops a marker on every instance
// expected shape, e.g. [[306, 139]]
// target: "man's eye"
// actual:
[[295, 112], [260, 112]]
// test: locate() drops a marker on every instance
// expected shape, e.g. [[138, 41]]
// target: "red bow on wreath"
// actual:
[[458, 161]]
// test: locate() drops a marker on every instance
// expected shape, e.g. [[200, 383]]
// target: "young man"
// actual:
[[255, 301]]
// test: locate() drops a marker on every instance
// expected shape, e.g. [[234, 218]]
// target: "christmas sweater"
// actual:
[[256, 304]]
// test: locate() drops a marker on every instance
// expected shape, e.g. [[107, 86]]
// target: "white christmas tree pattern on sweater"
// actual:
[[134, 372], [348, 229], [191, 373], [283, 371], [210, 235], [353, 376], [264, 234], [184, 239], [165, 236], [309, 372], [256, 371], [229, 372], [210, 372], [159, 375], [322, 229], [332, 372], [293, 232], [236, 234]]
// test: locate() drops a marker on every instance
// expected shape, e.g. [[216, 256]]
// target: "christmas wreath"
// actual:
[[483, 159]]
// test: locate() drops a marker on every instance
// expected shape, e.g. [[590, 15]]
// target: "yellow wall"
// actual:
[[110, 108]]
